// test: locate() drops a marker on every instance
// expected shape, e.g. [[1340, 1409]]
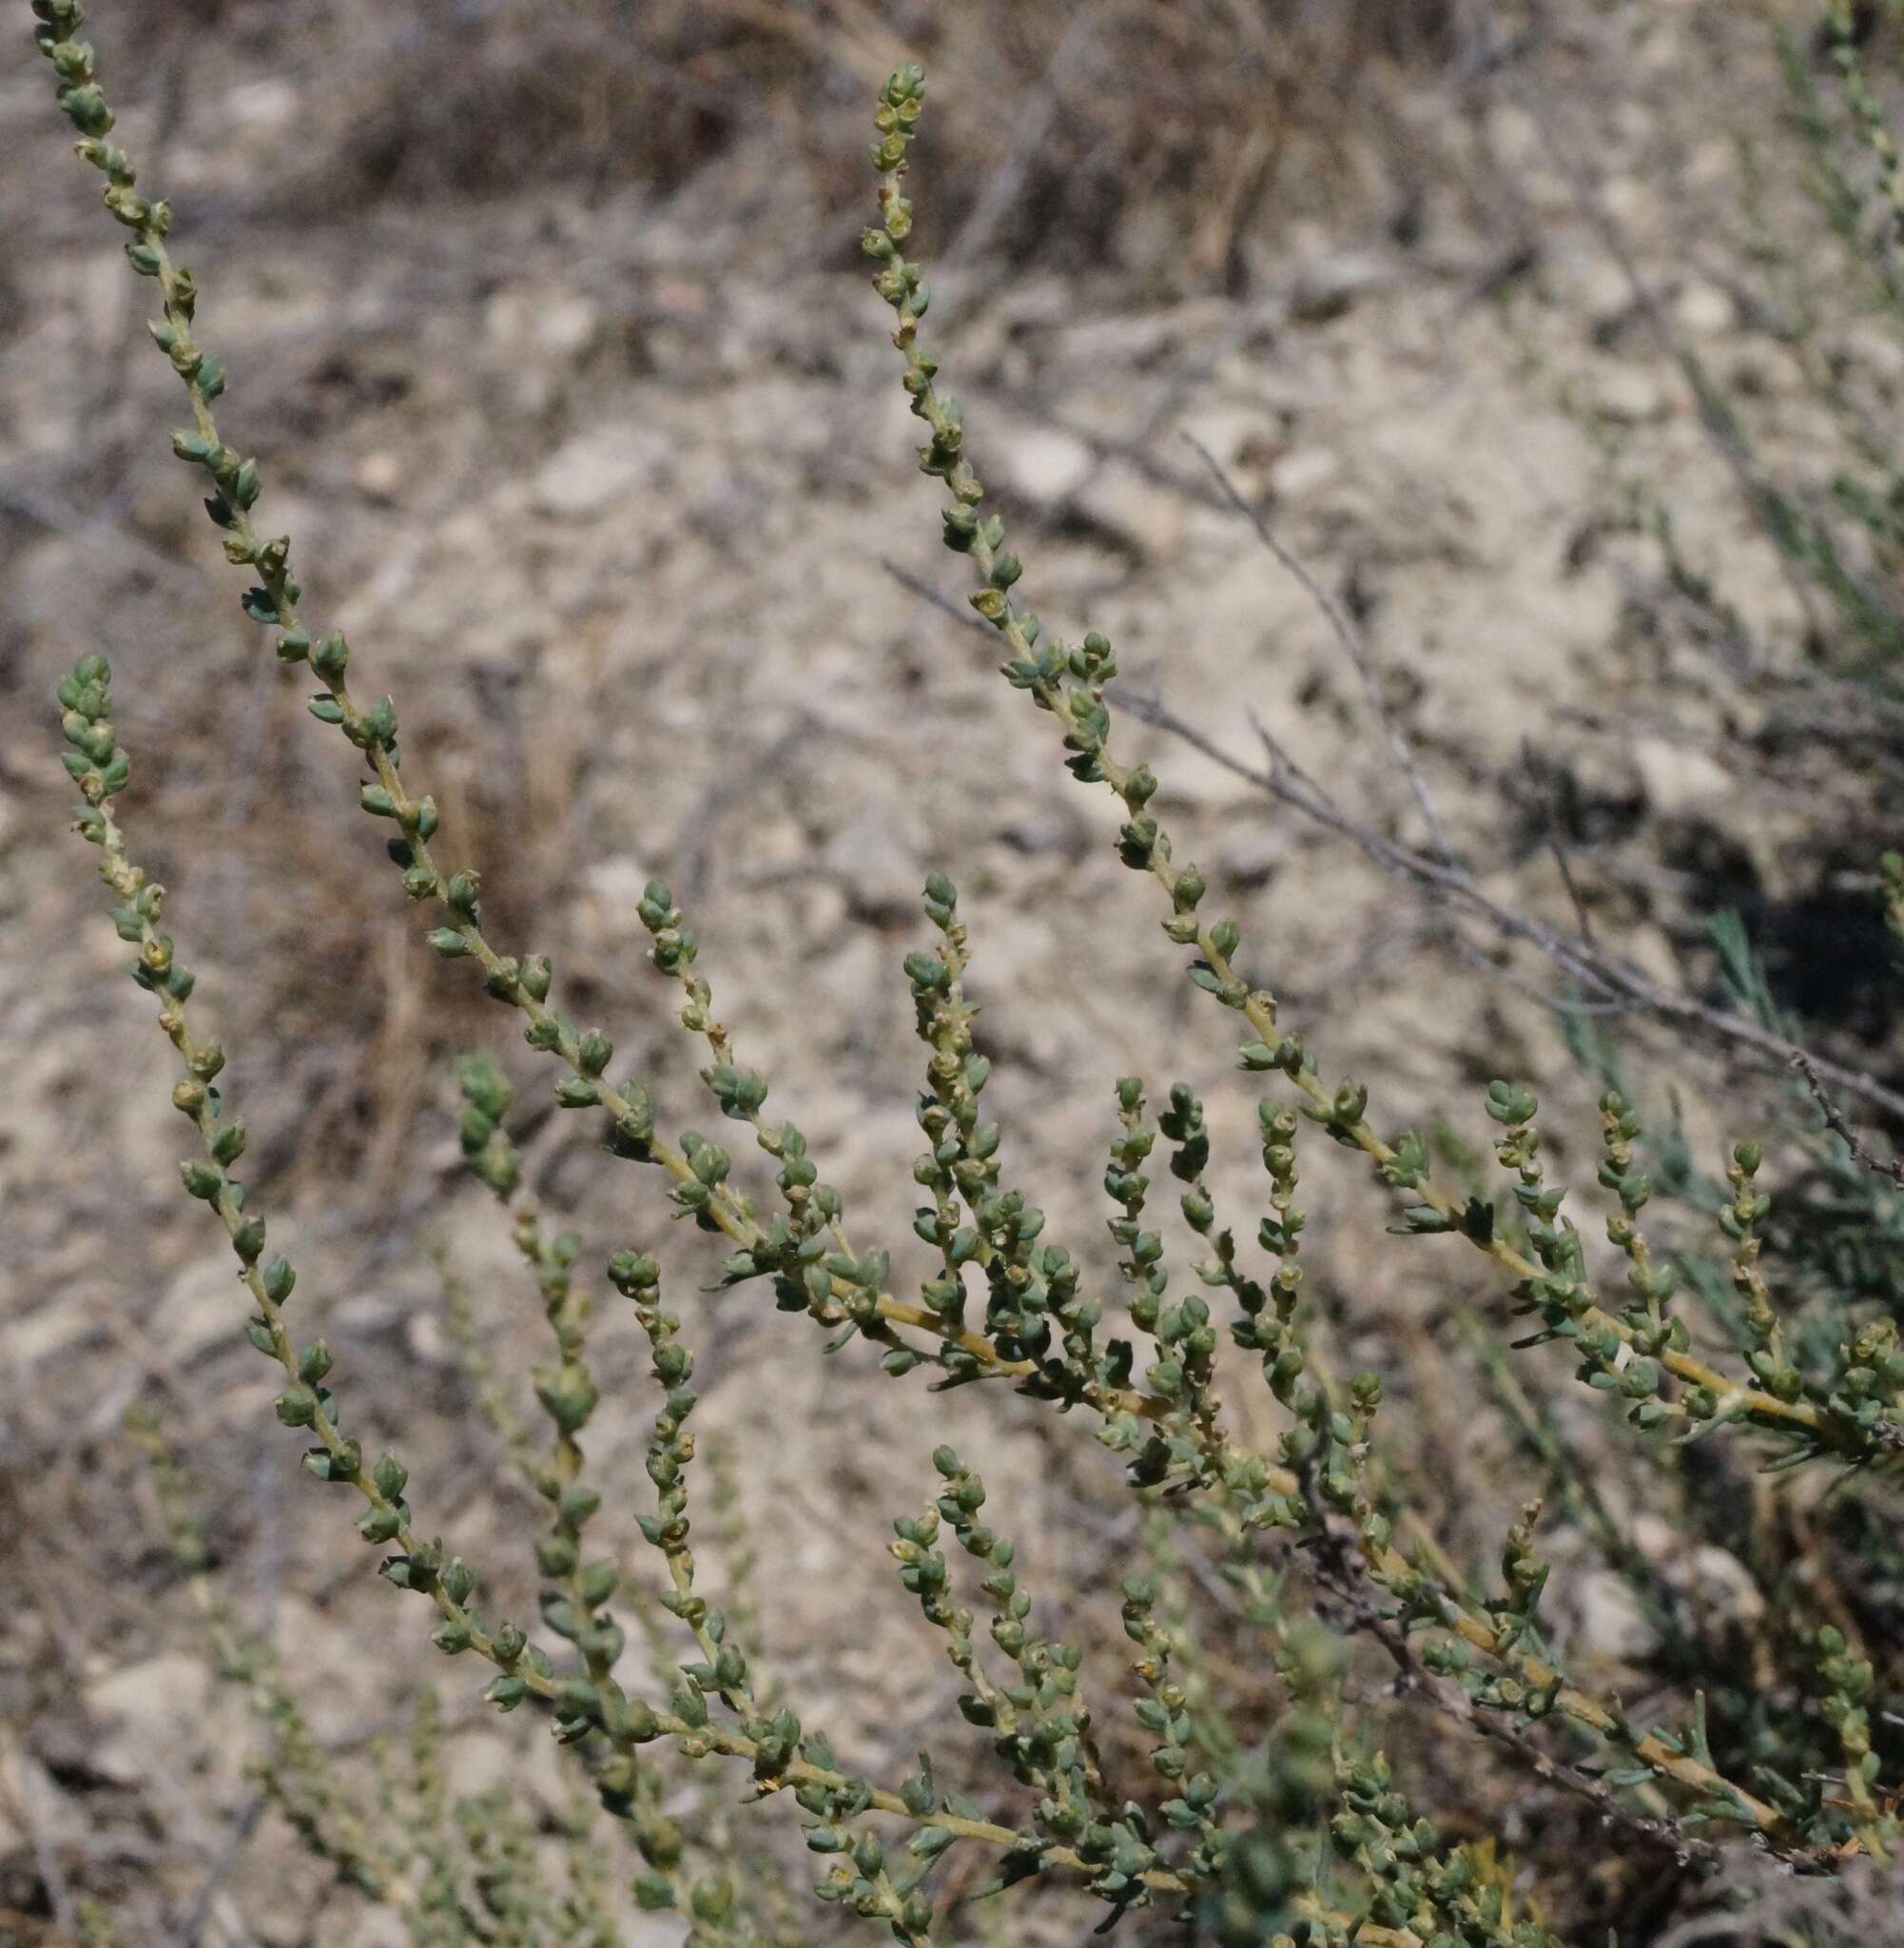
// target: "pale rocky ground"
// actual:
[[603, 495]]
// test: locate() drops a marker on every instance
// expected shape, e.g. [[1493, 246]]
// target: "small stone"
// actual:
[[197, 1311], [425, 1340], [1046, 465], [879, 867], [1677, 776], [597, 471], [1724, 1583], [376, 1927], [142, 1707], [1136, 513], [1651, 950], [1873, 347], [1325, 291], [1514, 135], [612, 889], [1609, 1622], [568, 327], [1713, 164], [1631, 394], [1304, 472], [380, 475], [1712, 1577], [1634, 203], [1036, 831], [1604, 294], [270, 100], [1245, 438], [1705, 310], [1253, 857]]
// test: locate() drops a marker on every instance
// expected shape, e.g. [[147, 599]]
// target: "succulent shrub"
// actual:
[[1771, 1348]]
